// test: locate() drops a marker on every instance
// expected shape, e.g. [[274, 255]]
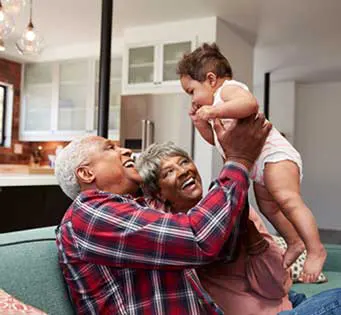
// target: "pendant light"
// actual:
[[13, 7], [6, 23], [30, 43]]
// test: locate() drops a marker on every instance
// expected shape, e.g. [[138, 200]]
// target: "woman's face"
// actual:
[[180, 183]]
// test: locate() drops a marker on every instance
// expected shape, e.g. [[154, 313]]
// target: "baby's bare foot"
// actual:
[[293, 251], [313, 265]]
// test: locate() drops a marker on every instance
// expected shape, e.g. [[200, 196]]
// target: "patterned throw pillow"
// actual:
[[11, 306], [297, 266]]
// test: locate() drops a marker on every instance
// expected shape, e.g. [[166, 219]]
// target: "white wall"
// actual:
[[237, 51], [281, 106], [317, 137], [199, 30]]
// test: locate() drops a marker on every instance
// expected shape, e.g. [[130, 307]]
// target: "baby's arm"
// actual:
[[202, 126], [237, 103]]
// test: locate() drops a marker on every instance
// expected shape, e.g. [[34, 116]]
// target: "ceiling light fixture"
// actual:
[[6, 23], [13, 7], [30, 43]]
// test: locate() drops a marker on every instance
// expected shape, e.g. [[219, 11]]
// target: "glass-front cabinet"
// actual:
[[60, 100], [73, 88], [141, 65], [171, 54], [151, 68], [37, 97]]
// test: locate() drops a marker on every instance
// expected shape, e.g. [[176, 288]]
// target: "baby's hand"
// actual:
[[204, 112]]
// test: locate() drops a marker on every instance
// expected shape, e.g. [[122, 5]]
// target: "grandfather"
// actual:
[[119, 256]]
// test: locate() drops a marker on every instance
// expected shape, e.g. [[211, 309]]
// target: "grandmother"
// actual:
[[256, 282]]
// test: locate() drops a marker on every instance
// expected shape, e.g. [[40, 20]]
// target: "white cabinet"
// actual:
[[60, 100], [151, 68], [73, 95], [37, 97]]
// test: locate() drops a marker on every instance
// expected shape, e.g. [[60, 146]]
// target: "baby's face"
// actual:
[[201, 92]]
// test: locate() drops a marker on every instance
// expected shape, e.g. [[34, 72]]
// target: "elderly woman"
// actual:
[[256, 282]]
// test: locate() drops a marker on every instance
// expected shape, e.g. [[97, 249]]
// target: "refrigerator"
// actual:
[[156, 118]]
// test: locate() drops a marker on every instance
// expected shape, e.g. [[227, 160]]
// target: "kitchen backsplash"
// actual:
[[10, 72]]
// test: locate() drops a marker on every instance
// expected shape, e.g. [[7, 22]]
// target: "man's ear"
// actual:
[[85, 174], [211, 78]]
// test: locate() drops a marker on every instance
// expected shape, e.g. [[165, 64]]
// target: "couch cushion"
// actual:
[[29, 270], [334, 281]]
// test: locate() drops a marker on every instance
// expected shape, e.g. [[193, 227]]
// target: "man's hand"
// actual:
[[244, 142], [204, 112]]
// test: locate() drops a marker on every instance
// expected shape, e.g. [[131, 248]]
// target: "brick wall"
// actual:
[[10, 72]]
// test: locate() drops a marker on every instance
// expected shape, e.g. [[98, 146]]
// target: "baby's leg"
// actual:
[[282, 180], [271, 210]]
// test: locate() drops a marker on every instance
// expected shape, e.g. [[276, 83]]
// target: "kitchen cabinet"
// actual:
[[151, 68], [60, 100], [38, 97], [31, 207]]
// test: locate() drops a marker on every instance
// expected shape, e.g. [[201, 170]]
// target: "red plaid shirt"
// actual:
[[119, 256]]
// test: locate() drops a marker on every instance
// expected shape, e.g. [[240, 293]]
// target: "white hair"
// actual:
[[149, 162], [67, 161]]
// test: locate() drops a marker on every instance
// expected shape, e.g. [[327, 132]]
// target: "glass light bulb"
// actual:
[[30, 43], [13, 7], [6, 23], [30, 35]]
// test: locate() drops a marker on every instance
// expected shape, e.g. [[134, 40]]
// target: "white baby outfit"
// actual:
[[276, 147]]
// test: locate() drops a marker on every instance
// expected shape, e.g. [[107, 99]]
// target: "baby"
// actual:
[[206, 75]]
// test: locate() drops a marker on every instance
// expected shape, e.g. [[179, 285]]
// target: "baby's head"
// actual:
[[202, 73]]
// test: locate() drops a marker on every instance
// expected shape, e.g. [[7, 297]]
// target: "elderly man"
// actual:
[[118, 256]]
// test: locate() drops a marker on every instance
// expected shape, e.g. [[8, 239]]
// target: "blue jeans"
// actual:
[[325, 303]]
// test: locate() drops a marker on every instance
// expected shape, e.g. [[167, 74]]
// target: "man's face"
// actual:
[[179, 182], [113, 168], [201, 92]]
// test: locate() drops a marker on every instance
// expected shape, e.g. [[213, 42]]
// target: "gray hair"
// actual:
[[148, 163], [75, 153]]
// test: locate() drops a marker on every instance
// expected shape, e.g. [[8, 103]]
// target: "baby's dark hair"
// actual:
[[206, 58]]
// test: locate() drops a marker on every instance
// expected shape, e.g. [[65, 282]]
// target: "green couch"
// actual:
[[29, 270]]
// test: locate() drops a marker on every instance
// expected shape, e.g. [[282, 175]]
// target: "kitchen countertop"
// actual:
[[19, 175], [7, 180]]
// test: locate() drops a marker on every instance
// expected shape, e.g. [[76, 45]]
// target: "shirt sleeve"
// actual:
[[112, 230]]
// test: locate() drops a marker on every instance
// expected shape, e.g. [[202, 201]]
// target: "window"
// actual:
[[3, 98]]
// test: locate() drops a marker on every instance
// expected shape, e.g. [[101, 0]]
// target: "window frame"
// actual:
[[4, 108]]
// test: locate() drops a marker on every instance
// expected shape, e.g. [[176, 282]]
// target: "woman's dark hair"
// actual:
[[206, 58]]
